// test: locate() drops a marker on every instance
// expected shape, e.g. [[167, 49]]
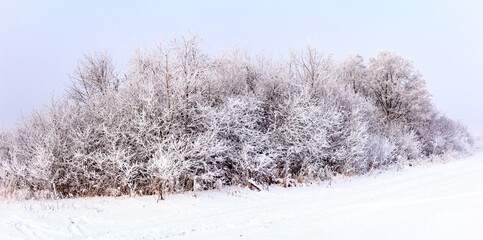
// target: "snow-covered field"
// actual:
[[428, 201]]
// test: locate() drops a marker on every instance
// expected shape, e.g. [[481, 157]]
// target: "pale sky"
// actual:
[[40, 41]]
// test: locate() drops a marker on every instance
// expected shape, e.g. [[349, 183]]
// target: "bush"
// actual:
[[184, 121]]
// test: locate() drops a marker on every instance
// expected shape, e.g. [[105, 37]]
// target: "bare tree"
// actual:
[[95, 74], [312, 68]]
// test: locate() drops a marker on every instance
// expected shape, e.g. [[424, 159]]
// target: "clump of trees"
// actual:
[[180, 120]]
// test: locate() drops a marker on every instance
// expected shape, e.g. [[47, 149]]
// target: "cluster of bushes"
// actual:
[[180, 120]]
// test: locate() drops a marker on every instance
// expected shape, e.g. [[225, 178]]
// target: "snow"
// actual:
[[439, 200]]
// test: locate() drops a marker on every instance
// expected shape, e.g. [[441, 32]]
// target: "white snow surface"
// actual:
[[439, 200]]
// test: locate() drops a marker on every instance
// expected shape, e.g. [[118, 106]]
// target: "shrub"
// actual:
[[184, 121]]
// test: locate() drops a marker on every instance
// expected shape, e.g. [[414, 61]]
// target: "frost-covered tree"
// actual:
[[183, 120], [94, 74], [353, 72], [397, 89], [312, 68]]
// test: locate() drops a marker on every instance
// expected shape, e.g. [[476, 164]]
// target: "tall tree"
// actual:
[[353, 72], [397, 89]]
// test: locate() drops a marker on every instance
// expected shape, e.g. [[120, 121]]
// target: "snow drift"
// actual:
[[440, 200]]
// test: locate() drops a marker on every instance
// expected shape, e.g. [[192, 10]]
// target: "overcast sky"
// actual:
[[40, 41]]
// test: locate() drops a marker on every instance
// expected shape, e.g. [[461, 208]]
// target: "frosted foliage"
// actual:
[[182, 120], [397, 89], [353, 72]]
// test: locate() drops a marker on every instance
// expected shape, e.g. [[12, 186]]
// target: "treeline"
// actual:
[[180, 120]]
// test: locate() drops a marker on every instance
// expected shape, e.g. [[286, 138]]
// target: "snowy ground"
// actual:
[[429, 201]]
